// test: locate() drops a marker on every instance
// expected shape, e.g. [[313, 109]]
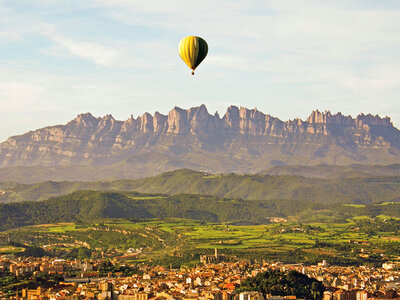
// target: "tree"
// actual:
[[284, 284]]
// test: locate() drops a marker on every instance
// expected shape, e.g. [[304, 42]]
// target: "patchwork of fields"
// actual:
[[158, 238]]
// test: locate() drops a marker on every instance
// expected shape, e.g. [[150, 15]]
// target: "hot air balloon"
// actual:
[[193, 50]]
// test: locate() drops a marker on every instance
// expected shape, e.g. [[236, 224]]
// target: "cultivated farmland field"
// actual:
[[352, 241]]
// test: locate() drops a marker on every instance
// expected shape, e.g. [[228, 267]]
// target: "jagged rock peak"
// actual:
[[327, 117], [231, 117], [240, 133], [373, 120], [108, 117], [181, 120], [318, 117], [131, 119], [147, 123], [86, 117]]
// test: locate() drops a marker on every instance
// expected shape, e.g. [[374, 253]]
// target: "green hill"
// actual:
[[93, 205], [335, 171], [359, 190], [84, 206]]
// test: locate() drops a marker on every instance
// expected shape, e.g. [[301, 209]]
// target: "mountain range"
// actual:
[[242, 141]]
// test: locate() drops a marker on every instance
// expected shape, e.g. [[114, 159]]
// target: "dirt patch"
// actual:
[[391, 238]]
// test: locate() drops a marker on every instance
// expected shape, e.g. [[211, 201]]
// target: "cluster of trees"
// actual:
[[80, 253], [106, 268], [378, 225], [284, 284], [9, 282]]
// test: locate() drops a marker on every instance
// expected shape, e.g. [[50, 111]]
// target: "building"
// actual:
[[251, 296], [136, 296], [327, 295], [340, 295], [361, 295], [216, 258], [32, 294]]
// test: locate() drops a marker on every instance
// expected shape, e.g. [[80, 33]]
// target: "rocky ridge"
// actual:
[[241, 136]]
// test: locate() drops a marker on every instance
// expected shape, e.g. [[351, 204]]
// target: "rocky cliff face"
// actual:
[[246, 139]]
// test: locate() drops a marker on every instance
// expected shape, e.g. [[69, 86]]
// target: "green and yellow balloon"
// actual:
[[193, 50]]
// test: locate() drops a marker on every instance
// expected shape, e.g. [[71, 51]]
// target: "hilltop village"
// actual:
[[213, 279]]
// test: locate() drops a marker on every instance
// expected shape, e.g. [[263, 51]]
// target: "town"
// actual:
[[216, 278]]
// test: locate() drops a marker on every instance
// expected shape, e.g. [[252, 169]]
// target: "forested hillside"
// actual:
[[345, 190], [83, 206]]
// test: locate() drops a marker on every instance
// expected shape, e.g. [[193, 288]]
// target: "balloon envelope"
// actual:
[[193, 50]]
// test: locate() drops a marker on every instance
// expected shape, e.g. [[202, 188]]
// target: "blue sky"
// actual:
[[119, 57]]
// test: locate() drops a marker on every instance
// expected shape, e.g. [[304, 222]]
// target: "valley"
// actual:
[[358, 240]]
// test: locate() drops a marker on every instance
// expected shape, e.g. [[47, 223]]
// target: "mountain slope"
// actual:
[[335, 171], [91, 205], [242, 141], [86, 206], [343, 190]]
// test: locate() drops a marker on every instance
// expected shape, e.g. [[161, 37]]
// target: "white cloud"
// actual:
[[17, 27], [93, 52], [296, 40]]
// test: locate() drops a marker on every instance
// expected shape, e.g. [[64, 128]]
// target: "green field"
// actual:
[[223, 236], [161, 238], [10, 250], [59, 228], [354, 205], [146, 197]]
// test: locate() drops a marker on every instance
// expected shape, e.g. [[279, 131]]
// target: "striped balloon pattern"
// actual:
[[193, 50]]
